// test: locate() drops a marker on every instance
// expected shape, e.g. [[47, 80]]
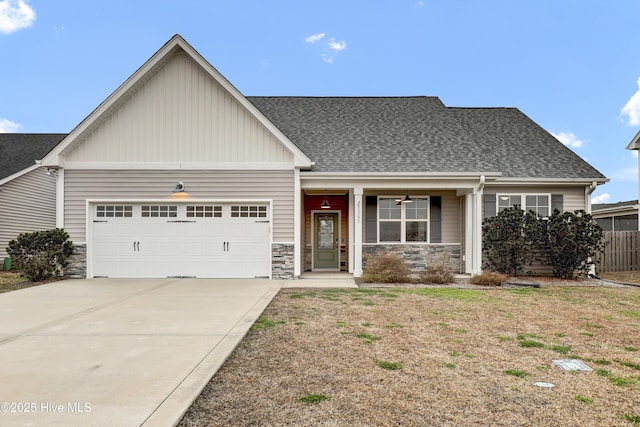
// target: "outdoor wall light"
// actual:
[[407, 199], [179, 187], [325, 205]]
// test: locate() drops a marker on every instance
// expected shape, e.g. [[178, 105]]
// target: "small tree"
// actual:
[[40, 254], [570, 241], [506, 240]]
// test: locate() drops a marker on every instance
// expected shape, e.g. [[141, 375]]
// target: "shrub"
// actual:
[[570, 241], [489, 278], [506, 242], [40, 254], [385, 268], [439, 274]]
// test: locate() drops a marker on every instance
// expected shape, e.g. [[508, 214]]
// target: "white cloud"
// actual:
[[420, 3], [569, 139], [330, 47], [7, 126], [15, 15], [314, 38], [603, 198], [632, 108], [625, 174], [338, 46]]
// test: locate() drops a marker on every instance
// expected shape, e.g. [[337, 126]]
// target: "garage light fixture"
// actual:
[[179, 187]]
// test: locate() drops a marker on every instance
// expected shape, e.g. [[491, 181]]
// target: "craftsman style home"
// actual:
[[178, 174]]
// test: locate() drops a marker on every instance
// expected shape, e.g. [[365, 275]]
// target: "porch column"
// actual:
[[297, 225], [468, 232], [477, 227], [357, 231]]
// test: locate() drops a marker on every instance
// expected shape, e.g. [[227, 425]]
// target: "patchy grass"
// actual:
[[11, 281], [472, 378], [516, 373], [622, 276], [313, 399], [389, 366]]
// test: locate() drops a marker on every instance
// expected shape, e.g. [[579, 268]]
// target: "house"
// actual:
[[621, 216], [179, 174], [27, 193]]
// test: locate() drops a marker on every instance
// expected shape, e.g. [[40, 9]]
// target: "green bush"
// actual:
[[570, 241], [506, 242], [567, 241], [438, 274], [386, 268], [488, 278], [40, 254]]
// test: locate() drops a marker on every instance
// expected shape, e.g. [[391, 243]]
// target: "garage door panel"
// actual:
[[218, 246]]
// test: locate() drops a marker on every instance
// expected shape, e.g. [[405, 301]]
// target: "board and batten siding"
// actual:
[[180, 114], [81, 185], [573, 197], [27, 204]]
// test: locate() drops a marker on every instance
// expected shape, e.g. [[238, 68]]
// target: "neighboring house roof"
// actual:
[[19, 151], [420, 134], [630, 206], [635, 142]]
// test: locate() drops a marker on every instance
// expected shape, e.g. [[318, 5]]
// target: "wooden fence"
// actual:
[[621, 252]]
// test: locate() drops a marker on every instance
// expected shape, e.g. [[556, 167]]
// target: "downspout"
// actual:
[[477, 226], [587, 195]]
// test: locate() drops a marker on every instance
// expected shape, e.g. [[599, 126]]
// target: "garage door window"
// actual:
[[248, 211], [204, 211], [114, 211], [159, 211]]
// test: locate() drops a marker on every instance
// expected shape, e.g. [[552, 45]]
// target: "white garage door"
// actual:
[[157, 240]]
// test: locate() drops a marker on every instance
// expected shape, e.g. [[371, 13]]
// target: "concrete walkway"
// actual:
[[107, 352]]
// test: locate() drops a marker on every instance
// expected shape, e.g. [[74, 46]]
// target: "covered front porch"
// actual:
[[425, 220]]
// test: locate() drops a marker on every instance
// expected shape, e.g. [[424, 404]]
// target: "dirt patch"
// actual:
[[623, 276], [437, 356]]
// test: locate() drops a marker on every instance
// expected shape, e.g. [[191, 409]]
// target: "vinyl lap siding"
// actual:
[[27, 203], [81, 185], [180, 114]]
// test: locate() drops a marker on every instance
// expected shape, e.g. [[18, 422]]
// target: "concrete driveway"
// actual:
[[109, 352]]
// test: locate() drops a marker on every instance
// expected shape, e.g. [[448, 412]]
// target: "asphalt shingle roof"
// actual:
[[419, 134], [19, 151]]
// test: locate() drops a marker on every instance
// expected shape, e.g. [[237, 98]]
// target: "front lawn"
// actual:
[[435, 357], [623, 276]]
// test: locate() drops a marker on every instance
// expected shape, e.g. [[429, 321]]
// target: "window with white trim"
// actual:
[[114, 211], [538, 203], [248, 211], [159, 211], [403, 222]]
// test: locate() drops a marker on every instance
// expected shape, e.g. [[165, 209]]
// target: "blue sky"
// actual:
[[572, 66]]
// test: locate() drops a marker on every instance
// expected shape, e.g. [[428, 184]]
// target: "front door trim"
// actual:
[[315, 213]]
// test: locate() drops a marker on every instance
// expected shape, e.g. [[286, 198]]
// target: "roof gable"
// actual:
[[19, 151], [167, 111]]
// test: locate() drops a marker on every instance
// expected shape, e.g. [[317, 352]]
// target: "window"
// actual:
[[114, 211], [403, 222], [159, 211], [248, 211], [204, 211], [538, 203]]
